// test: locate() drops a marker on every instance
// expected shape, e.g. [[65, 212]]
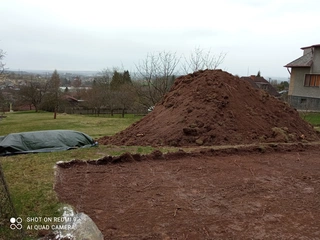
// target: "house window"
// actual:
[[312, 80], [303, 101]]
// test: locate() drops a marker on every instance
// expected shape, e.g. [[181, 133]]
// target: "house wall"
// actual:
[[299, 96], [316, 61], [304, 103], [296, 86]]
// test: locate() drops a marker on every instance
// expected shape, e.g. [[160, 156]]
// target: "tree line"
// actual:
[[115, 89]]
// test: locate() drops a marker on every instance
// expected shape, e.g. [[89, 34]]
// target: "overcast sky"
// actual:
[[97, 34]]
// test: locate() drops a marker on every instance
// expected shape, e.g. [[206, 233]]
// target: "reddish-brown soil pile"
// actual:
[[213, 107]]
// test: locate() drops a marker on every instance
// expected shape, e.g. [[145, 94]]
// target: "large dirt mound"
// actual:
[[213, 107]]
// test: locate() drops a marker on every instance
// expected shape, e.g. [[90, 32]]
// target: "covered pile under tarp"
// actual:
[[43, 141]]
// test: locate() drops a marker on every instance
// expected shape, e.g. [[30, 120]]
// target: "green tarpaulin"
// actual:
[[43, 141]]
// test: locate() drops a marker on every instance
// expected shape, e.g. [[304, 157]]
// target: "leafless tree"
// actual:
[[200, 59], [93, 99], [100, 95], [33, 92], [2, 103], [157, 73], [52, 98], [2, 64], [124, 97], [3, 99]]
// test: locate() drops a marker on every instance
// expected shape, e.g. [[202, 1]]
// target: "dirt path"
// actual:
[[244, 196]]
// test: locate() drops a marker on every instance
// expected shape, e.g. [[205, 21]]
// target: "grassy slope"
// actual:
[[30, 177], [96, 127], [313, 118]]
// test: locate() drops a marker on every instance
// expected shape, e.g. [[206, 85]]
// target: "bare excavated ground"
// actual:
[[229, 194]]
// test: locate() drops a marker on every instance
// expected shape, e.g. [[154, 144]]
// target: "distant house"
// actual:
[[260, 82], [304, 89], [70, 104]]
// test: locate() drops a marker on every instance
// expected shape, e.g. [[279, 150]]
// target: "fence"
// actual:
[[10, 227], [103, 111]]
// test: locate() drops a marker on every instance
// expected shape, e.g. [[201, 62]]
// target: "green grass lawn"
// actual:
[[30, 177], [96, 127], [313, 118]]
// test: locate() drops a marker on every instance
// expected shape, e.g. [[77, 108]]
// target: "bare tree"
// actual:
[[52, 98], [2, 103], [2, 100], [99, 95], [33, 93], [124, 97], [200, 59], [2, 64], [157, 73]]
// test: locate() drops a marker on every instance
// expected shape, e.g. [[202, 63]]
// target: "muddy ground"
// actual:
[[262, 193]]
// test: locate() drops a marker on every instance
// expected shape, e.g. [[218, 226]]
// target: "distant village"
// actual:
[[16, 79]]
